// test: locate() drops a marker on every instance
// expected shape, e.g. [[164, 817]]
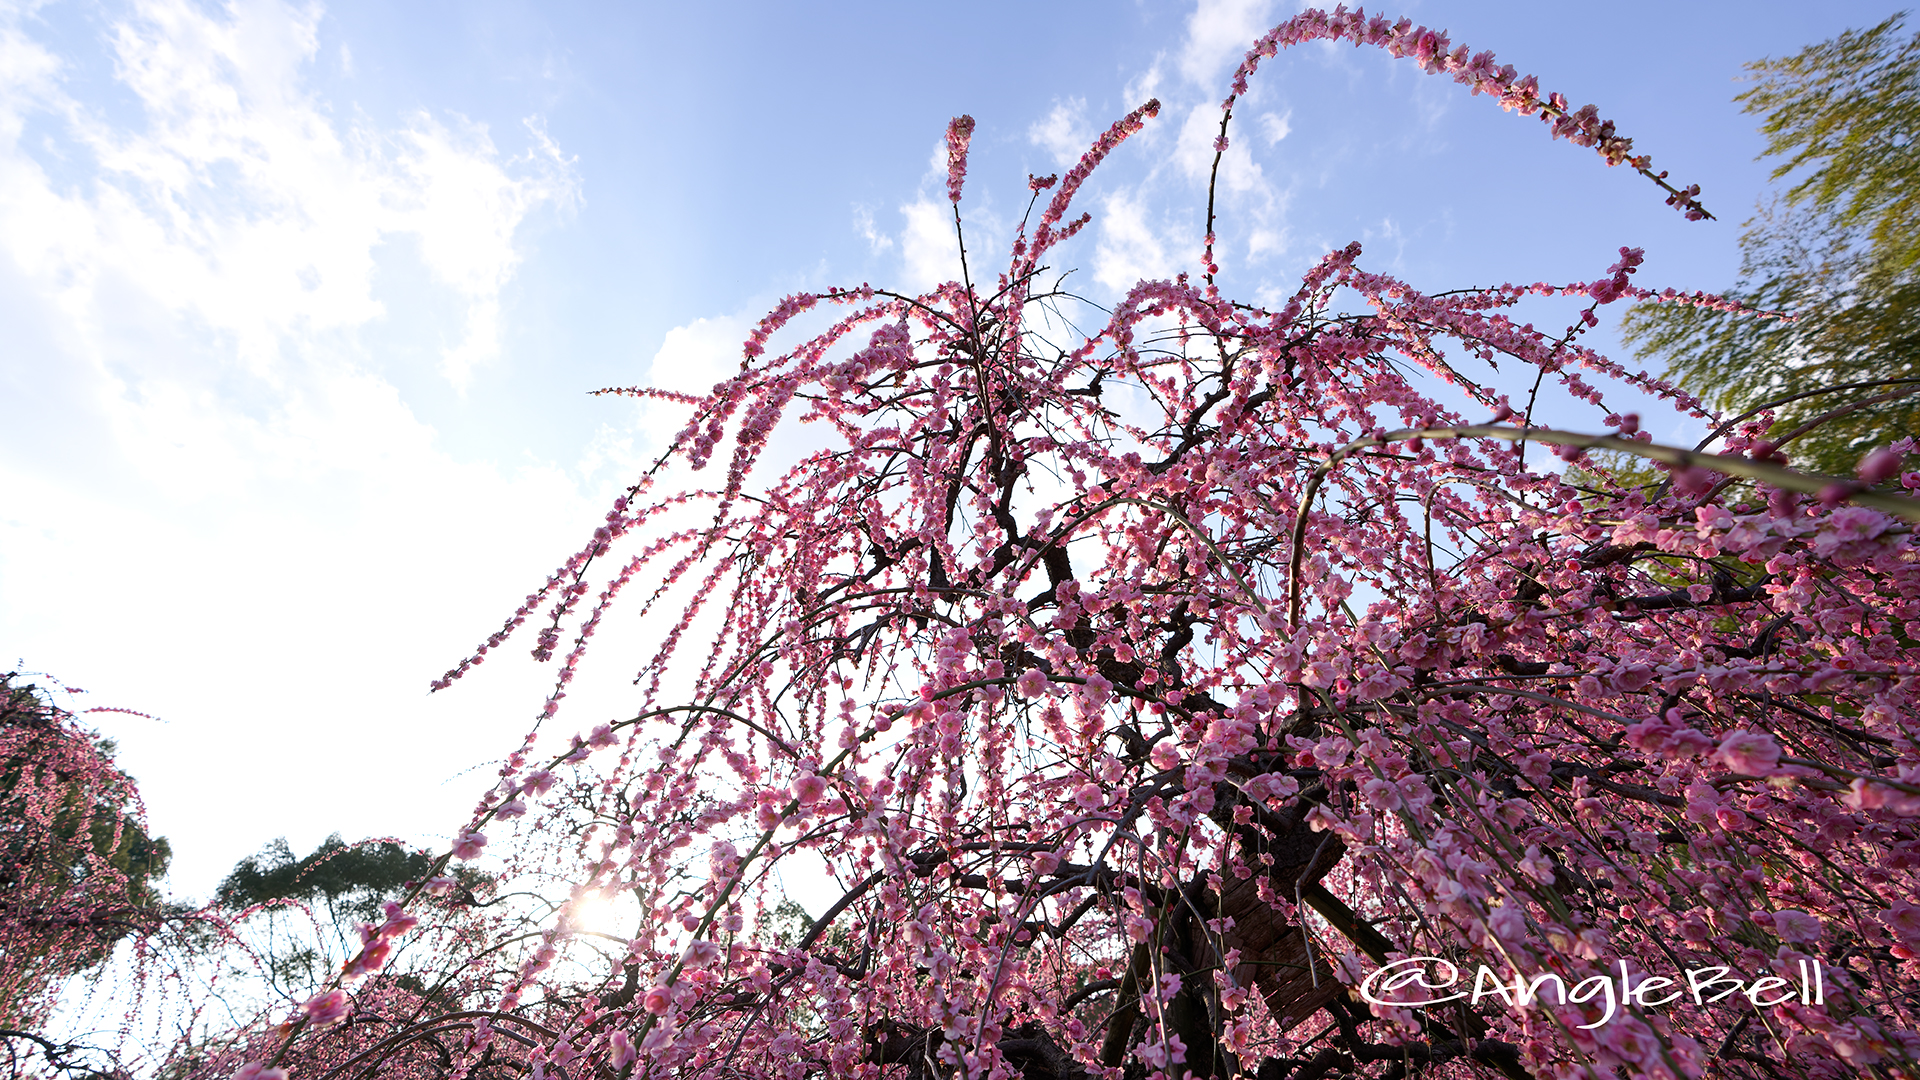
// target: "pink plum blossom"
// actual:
[[658, 1000], [1032, 683], [1284, 626], [1796, 926], [809, 788], [1753, 752], [325, 1010], [619, 1049]]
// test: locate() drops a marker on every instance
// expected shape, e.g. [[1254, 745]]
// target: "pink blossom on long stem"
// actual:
[[959, 135]]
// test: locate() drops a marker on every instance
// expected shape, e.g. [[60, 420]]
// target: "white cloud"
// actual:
[[1251, 204], [1129, 249], [1190, 79], [1064, 134], [877, 241], [692, 358], [1194, 152], [928, 250], [1145, 85], [242, 204], [465, 207], [1264, 240], [1218, 34], [1387, 235], [1275, 127], [219, 507]]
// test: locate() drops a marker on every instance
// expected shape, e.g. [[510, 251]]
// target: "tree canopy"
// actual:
[[351, 879]]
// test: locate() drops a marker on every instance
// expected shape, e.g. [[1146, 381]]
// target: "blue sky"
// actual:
[[302, 302]]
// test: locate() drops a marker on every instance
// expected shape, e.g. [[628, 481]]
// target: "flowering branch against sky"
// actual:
[[303, 302]]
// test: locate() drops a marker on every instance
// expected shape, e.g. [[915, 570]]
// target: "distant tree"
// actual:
[[78, 870], [1839, 250], [339, 885], [351, 880], [80, 879]]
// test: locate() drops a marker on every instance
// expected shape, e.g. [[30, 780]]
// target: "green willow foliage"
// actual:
[[1840, 249]]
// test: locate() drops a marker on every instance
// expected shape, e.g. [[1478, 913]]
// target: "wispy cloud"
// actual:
[[929, 252], [1130, 249], [1133, 240], [220, 505], [1218, 34], [692, 358], [863, 224], [241, 202], [1064, 132], [1274, 127], [1145, 85]]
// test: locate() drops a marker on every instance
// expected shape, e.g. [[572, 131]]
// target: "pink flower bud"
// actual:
[[1752, 752], [325, 1010], [1165, 755], [1880, 466]]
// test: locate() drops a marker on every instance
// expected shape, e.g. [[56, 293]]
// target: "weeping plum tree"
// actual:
[[78, 869], [1148, 690]]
